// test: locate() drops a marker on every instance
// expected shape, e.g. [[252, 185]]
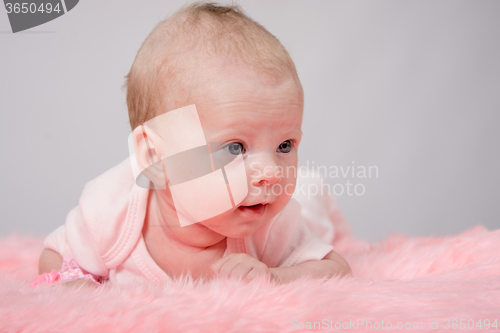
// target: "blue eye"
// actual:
[[235, 148], [284, 147]]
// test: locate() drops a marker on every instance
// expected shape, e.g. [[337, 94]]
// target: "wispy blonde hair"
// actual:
[[159, 77]]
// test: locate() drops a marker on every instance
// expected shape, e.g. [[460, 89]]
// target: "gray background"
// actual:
[[411, 87]]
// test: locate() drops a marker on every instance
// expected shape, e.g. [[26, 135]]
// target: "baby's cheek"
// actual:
[[285, 188], [280, 203]]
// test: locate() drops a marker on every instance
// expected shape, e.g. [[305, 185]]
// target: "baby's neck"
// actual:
[[161, 223], [178, 251]]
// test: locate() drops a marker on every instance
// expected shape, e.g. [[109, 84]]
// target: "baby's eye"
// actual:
[[284, 147], [235, 148]]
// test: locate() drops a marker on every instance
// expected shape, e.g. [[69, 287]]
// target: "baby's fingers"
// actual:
[[252, 274], [241, 270], [217, 265], [235, 265]]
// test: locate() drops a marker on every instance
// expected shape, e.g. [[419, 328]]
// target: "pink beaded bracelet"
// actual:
[[70, 271]]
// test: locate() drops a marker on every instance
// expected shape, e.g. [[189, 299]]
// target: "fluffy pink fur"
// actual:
[[401, 279]]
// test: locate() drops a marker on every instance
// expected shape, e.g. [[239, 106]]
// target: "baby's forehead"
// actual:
[[244, 95], [223, 79]]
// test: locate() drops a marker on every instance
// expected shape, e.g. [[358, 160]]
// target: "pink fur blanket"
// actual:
[[413, 284]]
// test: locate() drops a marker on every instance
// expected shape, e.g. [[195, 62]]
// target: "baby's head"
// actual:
[[247, 94]]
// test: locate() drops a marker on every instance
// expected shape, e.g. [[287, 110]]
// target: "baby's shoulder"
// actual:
[[109, 192], [112, 181]]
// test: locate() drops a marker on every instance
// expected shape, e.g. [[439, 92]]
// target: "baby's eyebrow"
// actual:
[[295, 132]]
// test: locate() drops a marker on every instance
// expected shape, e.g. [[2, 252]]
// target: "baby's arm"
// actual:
[[242, 265], [50, 260], [331, 265]]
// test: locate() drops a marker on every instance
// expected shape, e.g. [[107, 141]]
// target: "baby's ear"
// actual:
[[148, 152]]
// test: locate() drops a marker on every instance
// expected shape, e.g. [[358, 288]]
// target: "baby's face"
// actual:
[[262, 121]]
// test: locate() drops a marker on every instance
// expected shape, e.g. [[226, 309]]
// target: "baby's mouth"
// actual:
[[254, 211]]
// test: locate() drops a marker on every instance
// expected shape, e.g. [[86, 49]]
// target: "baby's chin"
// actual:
[[241, 222], [237, 233], [240, 229]]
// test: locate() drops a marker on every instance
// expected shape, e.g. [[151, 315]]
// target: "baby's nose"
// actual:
[[265, 172]]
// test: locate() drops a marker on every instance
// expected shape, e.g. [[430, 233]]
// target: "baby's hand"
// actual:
[[241, 265]]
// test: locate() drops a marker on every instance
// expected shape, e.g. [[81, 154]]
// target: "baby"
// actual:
[[243, 86]]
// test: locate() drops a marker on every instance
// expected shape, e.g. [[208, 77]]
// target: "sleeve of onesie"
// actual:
[[55, 241], [70, 270], [287, 241], [74, 240]]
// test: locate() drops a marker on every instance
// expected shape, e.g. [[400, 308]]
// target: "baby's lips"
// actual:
[[256, 202]]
